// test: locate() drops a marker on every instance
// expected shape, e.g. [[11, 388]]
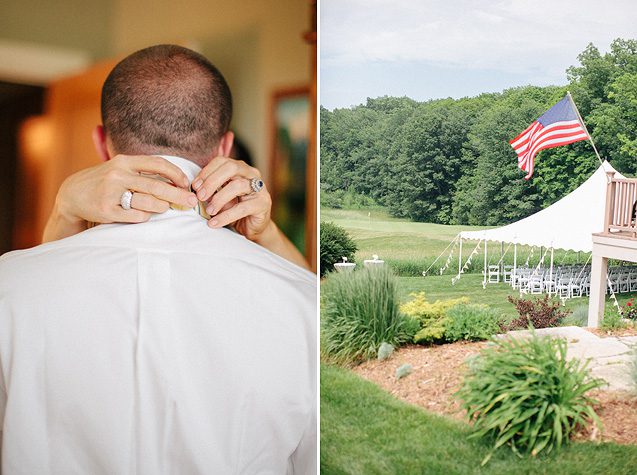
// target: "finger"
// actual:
[[212, 166], [241, 210], [163, 191], [158, 165], [130, 216], [144, 202], [215, 180], [234, 189]]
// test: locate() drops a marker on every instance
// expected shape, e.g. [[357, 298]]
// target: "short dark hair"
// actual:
[[166, 99]]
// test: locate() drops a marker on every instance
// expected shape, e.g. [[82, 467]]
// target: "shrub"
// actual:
[[410, 326], [471, 322], [612, 320], [404, 370], [331, 199], [431, 316], [526, 394], [385, 351], [579, 317], [359, 312], [335, 244], [540, 313], [346, 199]]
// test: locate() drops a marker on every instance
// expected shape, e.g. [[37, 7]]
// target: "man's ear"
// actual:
[[99, 141], [225, 144]]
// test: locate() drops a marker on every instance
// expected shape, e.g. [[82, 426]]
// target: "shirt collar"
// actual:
[[191, 170]]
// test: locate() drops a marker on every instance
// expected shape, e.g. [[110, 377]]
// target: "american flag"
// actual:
[[560, 125]]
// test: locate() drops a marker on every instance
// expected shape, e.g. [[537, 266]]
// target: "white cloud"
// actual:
[[536, 37]]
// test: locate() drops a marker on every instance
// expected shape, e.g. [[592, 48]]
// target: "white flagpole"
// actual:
[[590, 138]]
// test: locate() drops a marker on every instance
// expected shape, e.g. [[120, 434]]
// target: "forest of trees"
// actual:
[[449, 161]]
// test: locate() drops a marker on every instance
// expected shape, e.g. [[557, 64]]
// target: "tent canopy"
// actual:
[[566, 224]]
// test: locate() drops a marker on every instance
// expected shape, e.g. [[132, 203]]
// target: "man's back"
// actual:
[[163, 347]]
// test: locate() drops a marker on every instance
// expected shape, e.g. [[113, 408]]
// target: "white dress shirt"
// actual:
[[158, 348]]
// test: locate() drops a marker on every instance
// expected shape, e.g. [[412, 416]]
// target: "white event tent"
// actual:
[[567, 224]]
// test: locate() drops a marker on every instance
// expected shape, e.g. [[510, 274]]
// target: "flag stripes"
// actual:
[[555, 128]]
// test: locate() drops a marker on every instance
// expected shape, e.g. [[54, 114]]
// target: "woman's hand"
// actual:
[[94, 194], [225, 184]]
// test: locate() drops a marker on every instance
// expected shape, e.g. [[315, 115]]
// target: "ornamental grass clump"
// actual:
[[360, 312], [524, 393]]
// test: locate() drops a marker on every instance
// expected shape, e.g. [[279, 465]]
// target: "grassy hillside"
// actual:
[[411, 247], [375, 232]]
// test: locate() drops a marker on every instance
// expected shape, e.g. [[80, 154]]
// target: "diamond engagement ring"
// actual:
[[256, 185], [126, 199]]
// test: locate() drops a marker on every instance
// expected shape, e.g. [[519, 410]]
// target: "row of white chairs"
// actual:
[[566, 281]]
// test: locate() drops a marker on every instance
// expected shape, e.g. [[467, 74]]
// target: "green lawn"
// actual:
[[411, 247], [398, 241], [470, 285], [392, 238], [364, 430]]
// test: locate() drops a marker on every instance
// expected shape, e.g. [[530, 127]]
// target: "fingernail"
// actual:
[[192, 200], [213, 223], [197, 184]]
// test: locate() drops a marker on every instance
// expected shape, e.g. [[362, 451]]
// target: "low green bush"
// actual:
[[411, 326], [524, 393], [335, 244], [579, 317], [359, 312], [471, 322], [432, 317], [612, 320]]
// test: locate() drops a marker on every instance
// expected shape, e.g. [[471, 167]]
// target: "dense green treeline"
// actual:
[[449, 161]]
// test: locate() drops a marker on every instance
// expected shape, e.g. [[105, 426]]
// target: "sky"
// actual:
[[429, 49]]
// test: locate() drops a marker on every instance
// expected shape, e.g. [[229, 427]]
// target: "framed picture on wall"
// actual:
[[288, 163]]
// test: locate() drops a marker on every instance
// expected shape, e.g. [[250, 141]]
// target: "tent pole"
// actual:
[[551, 273], [484, 281], [515, 264], [501, 267], [460, 256]]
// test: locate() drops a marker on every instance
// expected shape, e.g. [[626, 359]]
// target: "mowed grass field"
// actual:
[[413, 247], [398, 240], [375, 232]]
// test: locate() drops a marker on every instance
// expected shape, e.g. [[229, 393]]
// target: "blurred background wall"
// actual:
[[54, 56]]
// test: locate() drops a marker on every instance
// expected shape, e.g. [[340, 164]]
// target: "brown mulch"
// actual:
[[628, 331], [618, 413], [437, 374]]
